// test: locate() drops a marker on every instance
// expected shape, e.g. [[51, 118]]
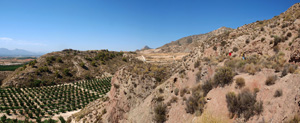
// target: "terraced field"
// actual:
[[45, 102]]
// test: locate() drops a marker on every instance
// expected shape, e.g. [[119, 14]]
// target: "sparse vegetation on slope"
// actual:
[[224, 76], [244, 104], [68, 66], [160, 111]]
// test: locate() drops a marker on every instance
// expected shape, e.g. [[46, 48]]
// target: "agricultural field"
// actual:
[[47, 101], [10, 67]]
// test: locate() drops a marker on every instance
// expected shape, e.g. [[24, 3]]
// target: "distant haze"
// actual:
[[17, 52]]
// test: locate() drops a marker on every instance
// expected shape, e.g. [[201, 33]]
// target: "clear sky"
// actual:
[[53, 25]]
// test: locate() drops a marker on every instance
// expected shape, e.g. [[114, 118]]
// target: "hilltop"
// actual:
[[187, 44], [66, 66]]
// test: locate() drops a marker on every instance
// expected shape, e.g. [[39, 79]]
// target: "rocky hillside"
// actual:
[[67, 66], [186, 44], [3, 75], [210, 86]]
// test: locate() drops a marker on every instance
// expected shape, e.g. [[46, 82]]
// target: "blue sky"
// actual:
[[53, 25]]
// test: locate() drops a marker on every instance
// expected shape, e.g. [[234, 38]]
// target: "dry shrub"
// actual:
[[295, 119], [183, 91], [223, 76], [207, 86], [198, 76], [176, 91], [209, 118], [197, 64], [173, 99], [276, 49], [271, 80], [256, 90], [235, 49], [250, 68], [240, 82], [289, 68], [278, 93], [160, 112], [289, 34], [276, 67], [195, 102], [159, 99], [244, 104]]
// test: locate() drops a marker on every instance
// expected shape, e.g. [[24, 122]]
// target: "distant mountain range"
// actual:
[[17, 52]]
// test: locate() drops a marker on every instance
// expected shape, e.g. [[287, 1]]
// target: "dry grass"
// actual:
[[271, 80], [240, 82], [250, 68], [209, 118]]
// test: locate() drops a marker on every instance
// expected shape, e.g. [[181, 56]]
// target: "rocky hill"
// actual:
[[210, 86], [67, 66], [186, 44]]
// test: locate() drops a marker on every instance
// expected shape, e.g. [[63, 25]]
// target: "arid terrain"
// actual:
[[191, 80]]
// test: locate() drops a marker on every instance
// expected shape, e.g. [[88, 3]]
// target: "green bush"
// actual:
[[59, 60], [62, 120], [82, 64], [240, 82], [43, 69], [3, 119], [66, 72], [223, 76], [32, 63], [160, 112], [94, 63], [244, 104], [124, 59]]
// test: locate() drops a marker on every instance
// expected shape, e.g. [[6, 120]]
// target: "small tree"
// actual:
[[3, 119], [62, 120]]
